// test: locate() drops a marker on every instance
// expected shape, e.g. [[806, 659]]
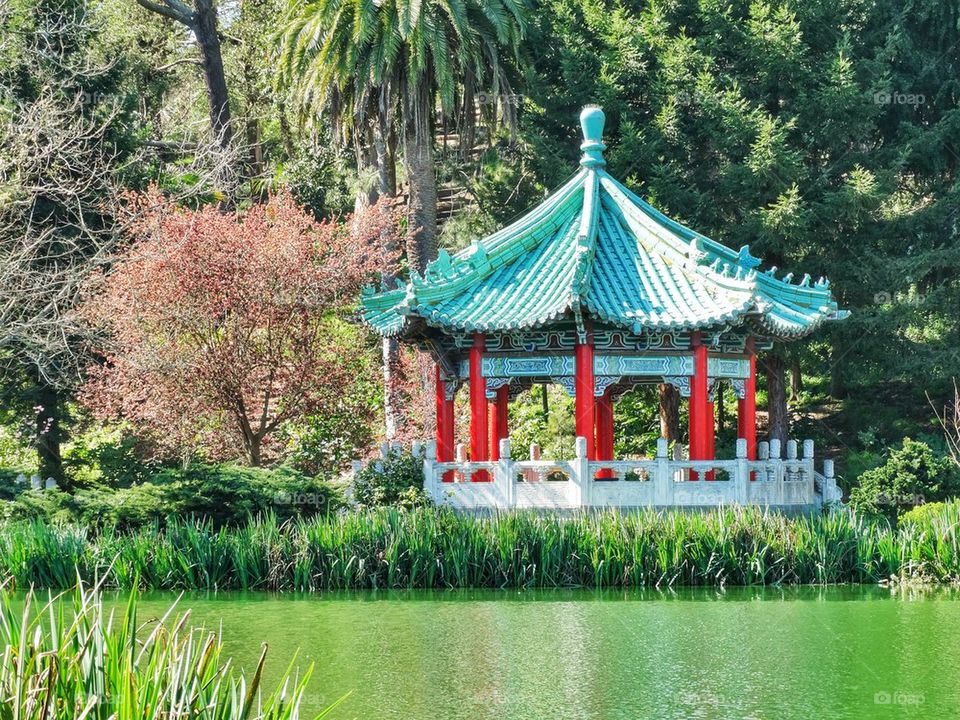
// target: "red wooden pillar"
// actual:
[[700, 418], [478, 408], [711, 433], [499, 429], [445, 428], [583, 385], [747, 407], [604, 413]]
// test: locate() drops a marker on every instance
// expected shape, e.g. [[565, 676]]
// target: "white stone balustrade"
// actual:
[[661, 481]]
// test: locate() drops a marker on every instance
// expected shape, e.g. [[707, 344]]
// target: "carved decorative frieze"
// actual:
[[602, 382], [450, 389], [568, 384], [681, 383], [495, 383]]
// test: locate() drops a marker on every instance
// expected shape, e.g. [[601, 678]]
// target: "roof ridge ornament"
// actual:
[[747, 260], [592, 121], [695, 251]]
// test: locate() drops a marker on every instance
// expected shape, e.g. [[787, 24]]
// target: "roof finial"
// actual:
[[591, 122]]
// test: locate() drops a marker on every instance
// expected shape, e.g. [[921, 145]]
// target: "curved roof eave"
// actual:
[[596, 245]]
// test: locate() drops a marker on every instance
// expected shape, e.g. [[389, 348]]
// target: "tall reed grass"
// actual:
[[64, 659], [431, 548]]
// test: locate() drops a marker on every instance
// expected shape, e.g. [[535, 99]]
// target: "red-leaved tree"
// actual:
[[221, 325]]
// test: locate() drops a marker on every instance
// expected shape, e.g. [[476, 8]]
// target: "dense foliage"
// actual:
[[822, 134], [911, 476], [220, 494], [225, 322], [432, 548], [396, 480]]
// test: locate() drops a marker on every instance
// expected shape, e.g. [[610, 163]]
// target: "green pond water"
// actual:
[[741, 653]]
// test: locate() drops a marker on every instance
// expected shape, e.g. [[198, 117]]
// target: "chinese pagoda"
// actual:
[[598, 291]]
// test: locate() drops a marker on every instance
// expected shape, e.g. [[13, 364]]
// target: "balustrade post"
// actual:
[[461, 475], [430, 471], [791, 449], [776, 466], [829, 492], [663, 476], [742, 478], [808, 468], [581, 469], [505, 474]]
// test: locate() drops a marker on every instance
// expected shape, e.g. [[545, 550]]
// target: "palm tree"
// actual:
[[365, 58]]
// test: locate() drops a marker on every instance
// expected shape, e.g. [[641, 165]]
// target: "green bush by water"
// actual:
[[435, 548], [79, 660], [222, 494], [394, 480], [912, 476]]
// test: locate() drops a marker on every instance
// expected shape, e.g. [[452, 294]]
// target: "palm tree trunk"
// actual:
[[418, 161], [374, 156]]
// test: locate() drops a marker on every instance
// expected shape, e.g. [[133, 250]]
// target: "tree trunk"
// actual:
[[418, 160], [778, 420], [368, 173], [48, 433], [374, 156], [253, 451], [669, 412], [205, 29], [796, 378], [468, 122]]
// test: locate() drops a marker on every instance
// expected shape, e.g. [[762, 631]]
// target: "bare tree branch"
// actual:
[[171, 9]]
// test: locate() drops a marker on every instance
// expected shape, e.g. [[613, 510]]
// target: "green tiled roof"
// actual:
[[596, 249]]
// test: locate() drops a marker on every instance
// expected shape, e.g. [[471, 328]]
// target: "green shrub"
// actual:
[[229, 494], [922, 514], [394, 480], [912, 475], [223, 494]]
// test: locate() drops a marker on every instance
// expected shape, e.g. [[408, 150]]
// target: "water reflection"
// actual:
[[790, 652]]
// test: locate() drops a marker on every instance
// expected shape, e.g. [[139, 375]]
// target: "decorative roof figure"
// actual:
[[593, 249]]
